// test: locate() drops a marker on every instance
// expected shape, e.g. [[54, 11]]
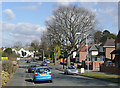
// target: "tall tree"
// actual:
[[97, 36], [35, 46], [18, 44], [66, 22]]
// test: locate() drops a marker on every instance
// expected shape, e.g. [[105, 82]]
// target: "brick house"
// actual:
[[116, 52], [82, 54], [115, 68], [109, 46], [94, 59]]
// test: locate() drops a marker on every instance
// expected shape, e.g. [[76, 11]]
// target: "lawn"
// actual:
[[103, 76]]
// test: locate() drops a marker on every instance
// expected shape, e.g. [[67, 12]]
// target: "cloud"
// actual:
[[110, 10], [9, 14], [24, 32], [30, 7]]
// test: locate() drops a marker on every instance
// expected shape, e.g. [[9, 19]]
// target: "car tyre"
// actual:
[[50, 81]]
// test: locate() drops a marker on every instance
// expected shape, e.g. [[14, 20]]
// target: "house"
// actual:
[[27, 52], [82, 54], [115, 57], [109, 46], [93, 52], [116, 52]]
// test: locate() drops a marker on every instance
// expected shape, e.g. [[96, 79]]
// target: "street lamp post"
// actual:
[[87, 50]]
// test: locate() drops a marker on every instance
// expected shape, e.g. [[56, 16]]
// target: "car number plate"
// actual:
[[43, 74], [32, 70]]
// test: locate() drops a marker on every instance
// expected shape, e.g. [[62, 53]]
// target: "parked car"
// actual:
[[51, 61], [44, 64], [71, 70], [42, 74], [108, 62], [47, 61], [28, 61], [31, 68]]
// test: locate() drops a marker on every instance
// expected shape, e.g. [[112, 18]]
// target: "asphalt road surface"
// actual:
[[22, 78]]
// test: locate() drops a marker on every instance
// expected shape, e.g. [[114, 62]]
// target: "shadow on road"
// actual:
[[39, 82], [29, 80]]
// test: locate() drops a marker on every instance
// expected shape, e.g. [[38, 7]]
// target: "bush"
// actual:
[[5, 77], [12, 58], [7, 66]]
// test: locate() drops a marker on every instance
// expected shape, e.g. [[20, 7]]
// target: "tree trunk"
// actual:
[[55, 57], [68, 61]]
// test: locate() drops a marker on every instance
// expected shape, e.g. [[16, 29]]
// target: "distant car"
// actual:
[[42, 74], [31, 68], [109, 62], [47, 61], [28, 61], [71, 70], [44, 64], [51, 61]]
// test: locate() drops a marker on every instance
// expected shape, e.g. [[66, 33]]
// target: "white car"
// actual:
[[71, 70], [47, 61]]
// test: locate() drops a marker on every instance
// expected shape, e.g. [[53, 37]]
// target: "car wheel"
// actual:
[[50, 81]]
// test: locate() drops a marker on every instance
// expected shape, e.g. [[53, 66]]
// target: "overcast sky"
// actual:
[[25, 21]]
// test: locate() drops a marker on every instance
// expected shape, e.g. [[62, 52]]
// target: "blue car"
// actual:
[[44, 64], [42, 74], [31, 68]]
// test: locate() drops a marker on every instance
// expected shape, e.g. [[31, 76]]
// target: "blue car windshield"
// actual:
[[42, 70]]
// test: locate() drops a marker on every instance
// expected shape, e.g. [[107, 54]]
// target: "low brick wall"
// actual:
[[94, 65], [110, 69]]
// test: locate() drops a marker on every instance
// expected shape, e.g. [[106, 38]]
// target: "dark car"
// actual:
[[28, 61], [44, 64], [31, 68]]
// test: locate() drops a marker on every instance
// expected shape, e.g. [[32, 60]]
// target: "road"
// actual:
[[22, 78]]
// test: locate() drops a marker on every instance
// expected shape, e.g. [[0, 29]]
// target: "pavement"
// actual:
[[23, 78], [0, 74]]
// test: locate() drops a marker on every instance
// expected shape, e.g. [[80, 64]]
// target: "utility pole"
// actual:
[[43, 55], [87, 53]]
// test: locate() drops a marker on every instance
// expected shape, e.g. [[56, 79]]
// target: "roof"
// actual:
[[83, 48], [109, 43], [94, 47]]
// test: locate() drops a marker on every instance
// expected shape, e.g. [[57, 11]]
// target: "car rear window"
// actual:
[[41, 70], [71, 67], [33, 66]]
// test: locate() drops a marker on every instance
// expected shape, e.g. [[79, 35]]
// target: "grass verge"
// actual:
[[102, 76]]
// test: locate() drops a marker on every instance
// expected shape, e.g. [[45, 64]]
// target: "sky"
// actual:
[[25, 21]]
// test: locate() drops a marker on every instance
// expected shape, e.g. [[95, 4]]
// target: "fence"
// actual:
[[110, 68]]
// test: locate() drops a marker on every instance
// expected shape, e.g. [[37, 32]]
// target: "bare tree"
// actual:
[[66, 22], [35, 45], [18, 44]]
